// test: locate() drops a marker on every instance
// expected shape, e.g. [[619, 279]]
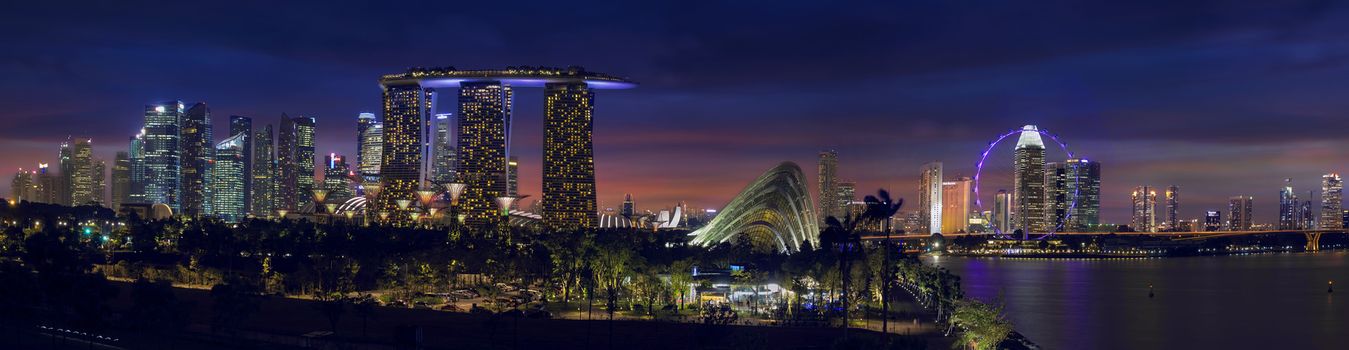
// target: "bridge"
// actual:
[[1313, 236]]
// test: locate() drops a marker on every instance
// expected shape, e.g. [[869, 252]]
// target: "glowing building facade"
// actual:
[[955, 214], [568, 156], [197, 160], [1172, 208], [1028, 183], [930, 196], [228, 191], [263, 177], [828, 178], [1332, 193], [1239, 213], [162, 153], [1144, 209], [241, 125], [482, 136]]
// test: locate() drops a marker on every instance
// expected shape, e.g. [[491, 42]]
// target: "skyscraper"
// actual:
[[1144, 209], [121, 180], [1172, 208], [50, 187], [930, 196], [1332, 188], [304, 157], [1213, 220], [263, 177], [336, 178], [240, 125], [85, 177], [1239, 213], [161, 143], [1083, 179], [847, 193], [136, 156], [228, 179], [372, 151], [442, 151], [483, 135], [1002, 211], [568, 156], [22, 186], [828, 178], [629, 207], [955, 214], [401, 154], [1058, 196], [364, 121], [295, 162], [1289, 213], [197, 159], [1028, 182], [513, 177]]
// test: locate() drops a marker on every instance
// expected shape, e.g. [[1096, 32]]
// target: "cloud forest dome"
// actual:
[[775, 210]]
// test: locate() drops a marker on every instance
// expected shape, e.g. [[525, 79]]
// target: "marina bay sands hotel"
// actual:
[[483, 139]]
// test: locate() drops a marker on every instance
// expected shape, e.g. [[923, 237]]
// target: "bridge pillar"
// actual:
[[1313, 241]]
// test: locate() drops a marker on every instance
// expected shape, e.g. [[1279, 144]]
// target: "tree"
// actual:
[[984, 325], [843, 236], [881, 208], [681, 276]]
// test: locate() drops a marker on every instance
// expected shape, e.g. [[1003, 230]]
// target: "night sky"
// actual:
[[1220, 98]]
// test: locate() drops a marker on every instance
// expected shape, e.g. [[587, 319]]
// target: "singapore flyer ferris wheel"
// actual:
[[1035, 214]]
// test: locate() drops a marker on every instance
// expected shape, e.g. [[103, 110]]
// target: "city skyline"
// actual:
[[884, 133]]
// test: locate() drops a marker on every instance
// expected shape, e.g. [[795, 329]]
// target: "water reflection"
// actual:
[[1233, 302]]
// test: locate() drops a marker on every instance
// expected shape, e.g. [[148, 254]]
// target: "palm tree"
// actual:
[[881, 207], [844, 236]]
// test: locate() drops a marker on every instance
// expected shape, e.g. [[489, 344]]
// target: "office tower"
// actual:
[[264, 174], [372, 151], [295, 162], [930, 196], [1028, 182], [568, 156], [1307, 213], [240, 125], [955, 213], [1057, 194], [629, 207], [1345, 219], [1082, 178], [197, 155], [50, 187], [847, 193], [1144, 209], [136, 155], [336, 179], [1213, 220], [83, 178], [483, 135], [228, 179], [1290, 216], [1332, 189], [513, 177], [442, 151], [62, 192], [21, 187], [828, 178], [121, 180], [1172, 208], [401, 154], [304, 158], [364, 121], [1239, 213], [1002, 211]]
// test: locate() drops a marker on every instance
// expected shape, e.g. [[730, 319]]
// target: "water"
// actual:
[[1266, 301]]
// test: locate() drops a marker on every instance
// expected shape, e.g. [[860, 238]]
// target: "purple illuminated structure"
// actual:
[[979, 169]]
